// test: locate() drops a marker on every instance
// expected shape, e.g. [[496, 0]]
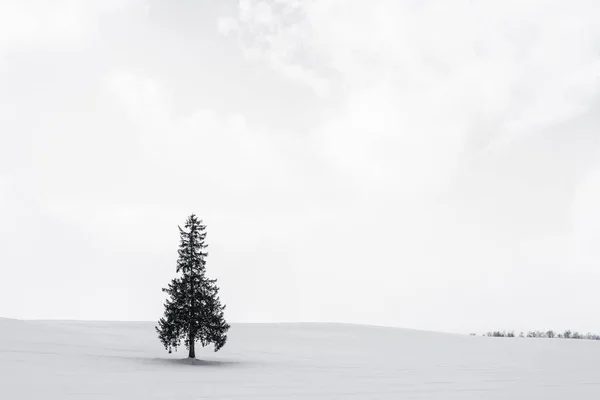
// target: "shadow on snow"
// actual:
[[196, 362]]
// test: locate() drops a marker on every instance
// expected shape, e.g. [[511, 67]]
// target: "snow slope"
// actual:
[[84, 360]]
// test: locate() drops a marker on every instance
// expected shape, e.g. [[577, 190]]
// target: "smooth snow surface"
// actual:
[[83, 360]]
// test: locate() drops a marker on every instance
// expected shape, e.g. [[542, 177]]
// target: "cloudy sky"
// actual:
[[422, 164]]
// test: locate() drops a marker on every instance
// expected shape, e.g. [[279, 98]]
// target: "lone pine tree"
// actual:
[[193, 311]]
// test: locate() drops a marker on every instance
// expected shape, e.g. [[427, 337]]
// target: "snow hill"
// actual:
[[100, 360]]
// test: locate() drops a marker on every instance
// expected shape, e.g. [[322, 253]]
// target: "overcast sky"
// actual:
[[422, 164]]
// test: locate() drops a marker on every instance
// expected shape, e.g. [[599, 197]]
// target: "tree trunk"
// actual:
[[192, 347], [192, 334]]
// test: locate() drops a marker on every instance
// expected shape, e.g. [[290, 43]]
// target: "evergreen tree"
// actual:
[[193, 311]]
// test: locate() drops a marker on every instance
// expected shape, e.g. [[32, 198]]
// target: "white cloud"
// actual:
[[268, 33], [53, 22], [200, 142], [203, 160], [431, 78], [586, 222]]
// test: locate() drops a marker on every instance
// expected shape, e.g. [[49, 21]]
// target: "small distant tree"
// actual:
[[521, 334], [567, 334], [550, 334], [510, 334], [576, 335], [193, 311]]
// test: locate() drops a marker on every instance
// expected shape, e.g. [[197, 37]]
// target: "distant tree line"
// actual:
[[539, 334]]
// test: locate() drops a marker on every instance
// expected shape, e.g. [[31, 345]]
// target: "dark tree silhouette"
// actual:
[[193, 311]]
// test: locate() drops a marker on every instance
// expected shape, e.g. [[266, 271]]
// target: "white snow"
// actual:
[[50, 360]]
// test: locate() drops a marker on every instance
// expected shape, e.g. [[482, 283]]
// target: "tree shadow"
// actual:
[[196, 362]]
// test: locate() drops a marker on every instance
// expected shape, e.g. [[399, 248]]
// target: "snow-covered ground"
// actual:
[[84, 360]]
